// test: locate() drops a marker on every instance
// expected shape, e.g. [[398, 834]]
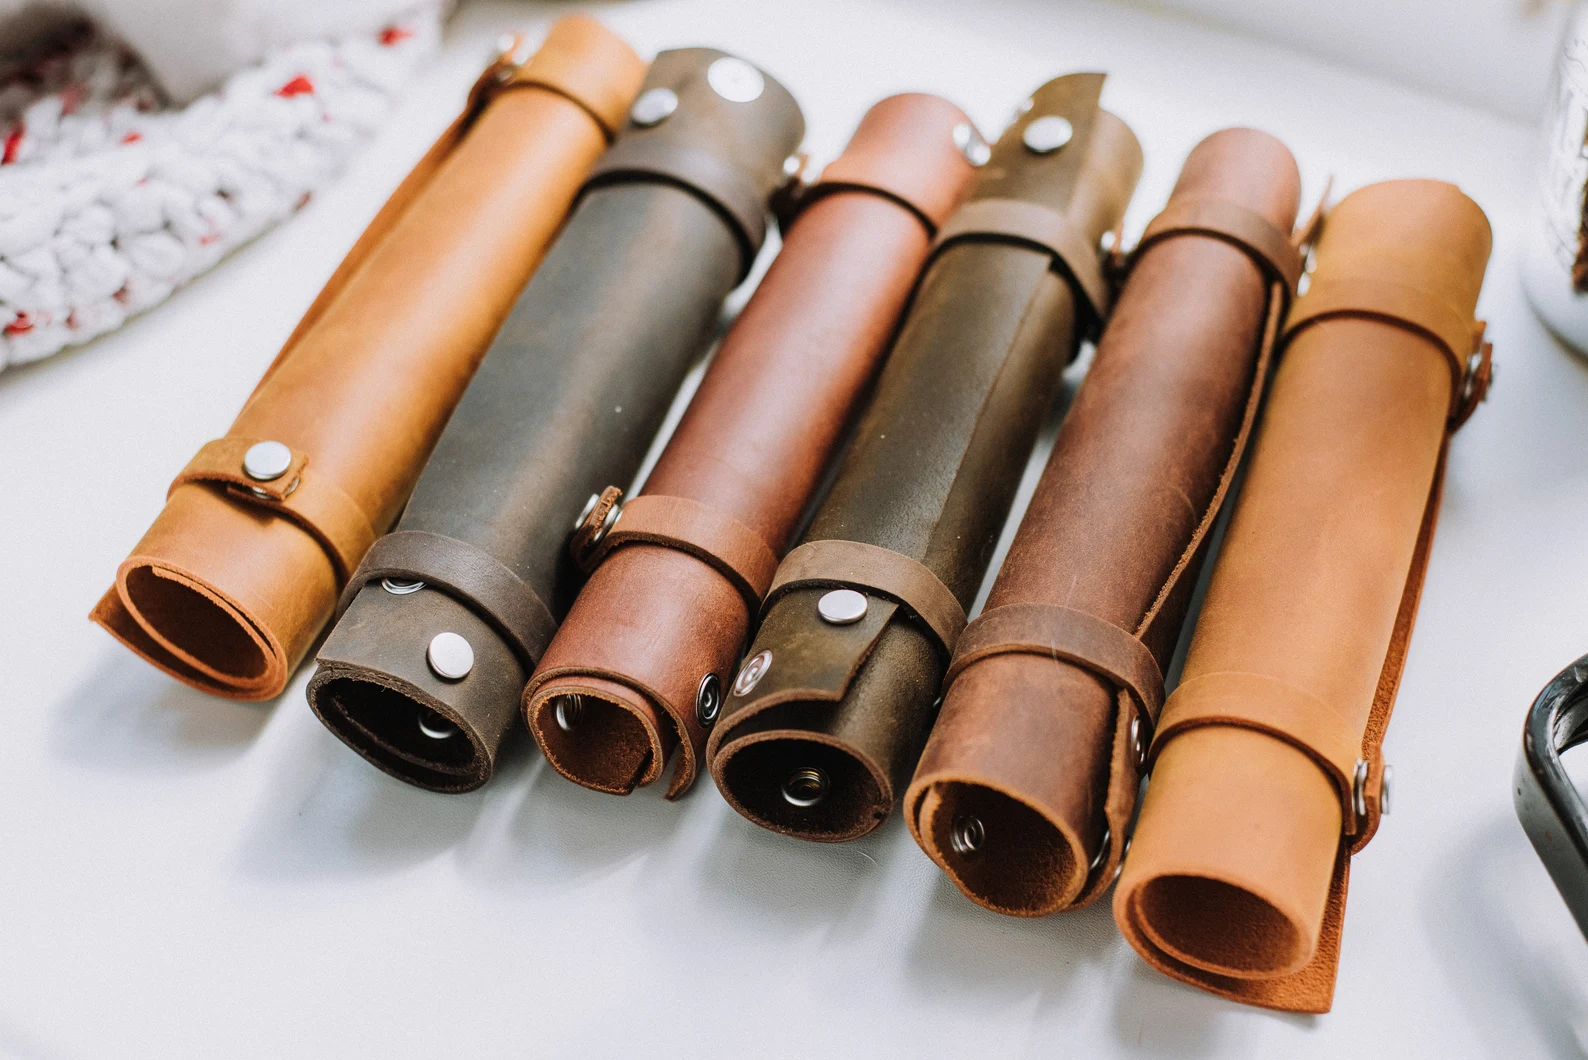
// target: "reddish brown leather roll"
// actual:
[[1026, 788], [1266, 766], [638, 668], [238, 575]]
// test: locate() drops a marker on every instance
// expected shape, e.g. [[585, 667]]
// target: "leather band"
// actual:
[[724, 187], [1067, 635], [737, 552], [1033, 225], [312, 501], [854, 564], [1246, 229], [802, 198], [468, 573]]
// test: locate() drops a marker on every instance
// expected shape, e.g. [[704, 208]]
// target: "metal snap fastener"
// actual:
[[653, 107], [1047, 134], [1138, 746], [450, 656], [708, 700], [435, 726], [754, 669], [584, 513], [965, 835], [398, 587], [1359, 788], [735, 80], [568, 711], [266, 461], [1384, 789], [1102, 850], [805, 788], [971, 144], [842, 607]]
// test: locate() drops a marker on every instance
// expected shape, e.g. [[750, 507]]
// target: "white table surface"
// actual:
[[183, 876]]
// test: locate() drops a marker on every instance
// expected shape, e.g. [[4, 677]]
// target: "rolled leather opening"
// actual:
[[1232, 857], [377, 689], [998, 851], [195, 623], [600, 733], [803, 786]]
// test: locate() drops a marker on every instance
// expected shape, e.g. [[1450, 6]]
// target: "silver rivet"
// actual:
[[584, 513], [708, 700], [754, 669], [971, 144], [450, 656], [653, 107], [1359, 788], [266, 461], [735, 80], [792, 165], [1102, 850], [435, 726], [842, 607], [569, 709], [965, 835], [1047, 134], [805, 788], [1384, 789], [398, 587], [1138, 746], [1106, 241]]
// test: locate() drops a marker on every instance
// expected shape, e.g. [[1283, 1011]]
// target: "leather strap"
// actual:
[[312, 501], [724, 187], [796, 199], [856, 565], [1068, 635], [468, 573], [1246, 229], [1028, 224], [734, 550]]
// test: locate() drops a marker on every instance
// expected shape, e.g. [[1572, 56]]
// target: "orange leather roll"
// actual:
[[241, 570], [1266, 766]]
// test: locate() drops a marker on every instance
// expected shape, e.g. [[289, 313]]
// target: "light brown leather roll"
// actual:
[[647, 650], [241, 570], [1266, 773]]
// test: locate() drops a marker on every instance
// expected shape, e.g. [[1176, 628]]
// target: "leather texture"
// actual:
[[1033, 756], [685, 566], [236, 578], [1266, 768], [567, 400], [826, 720]]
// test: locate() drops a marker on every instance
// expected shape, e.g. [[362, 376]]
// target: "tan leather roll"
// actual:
[[241, 570], [1266, 766]]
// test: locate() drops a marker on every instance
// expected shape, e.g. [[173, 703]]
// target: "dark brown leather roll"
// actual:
[[639, 666], [1026, 788], [446, 617], [827, 717]]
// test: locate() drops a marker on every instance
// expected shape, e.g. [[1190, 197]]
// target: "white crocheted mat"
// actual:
[[109, 200]]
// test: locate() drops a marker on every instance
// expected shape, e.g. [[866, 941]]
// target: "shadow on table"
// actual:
[[127, 716], [1507, 943]]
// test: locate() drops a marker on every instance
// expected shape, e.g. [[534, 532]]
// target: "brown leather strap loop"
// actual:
[[724, 187], [870, 568], [806, 195], [472, 575], [734, 550], [1246, 229], [1028, 224], [1067, 635], [311, 501]]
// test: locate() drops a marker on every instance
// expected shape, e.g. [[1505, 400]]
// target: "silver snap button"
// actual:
[[1359, 788], [653, 107], [1047, 134], [584, 513], [1102, 850], [435, 726], [266, 461], [708, 700], [450, 656], [805, 788], [735, 80], [1384, 789], [1138, 746], [965, 835], [754, 669], [842, 607], [568, 710], [398, 587], [971, 144]]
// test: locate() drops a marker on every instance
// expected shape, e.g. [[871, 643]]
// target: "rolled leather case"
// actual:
[[827, 717], [639, 666], [241, 570], [1026, 788], [445, 619], [1266, 771]]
